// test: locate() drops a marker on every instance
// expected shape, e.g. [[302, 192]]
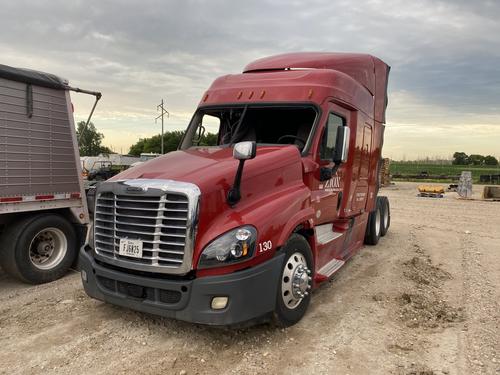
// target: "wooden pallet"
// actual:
[[385, 175], [430, 195], [479, 199]]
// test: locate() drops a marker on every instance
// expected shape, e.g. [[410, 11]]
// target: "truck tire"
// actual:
[[386, 215], [374, 225], [38, 249], [295, 282]]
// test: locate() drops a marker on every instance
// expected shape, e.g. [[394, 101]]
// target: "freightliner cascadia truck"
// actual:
[[43, 210], [242, 231]]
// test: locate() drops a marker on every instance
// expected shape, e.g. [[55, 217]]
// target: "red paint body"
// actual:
[[281, 189]]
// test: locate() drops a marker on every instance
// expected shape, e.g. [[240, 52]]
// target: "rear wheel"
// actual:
[[386, 215], [373, 228], [39, 249], [295, 283]]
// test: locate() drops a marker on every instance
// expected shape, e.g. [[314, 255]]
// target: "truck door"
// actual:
[[327, 194]]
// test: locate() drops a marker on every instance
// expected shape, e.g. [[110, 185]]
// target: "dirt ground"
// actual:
[[424, 301]]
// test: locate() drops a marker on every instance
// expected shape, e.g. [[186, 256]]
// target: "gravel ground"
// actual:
[[424, 301]]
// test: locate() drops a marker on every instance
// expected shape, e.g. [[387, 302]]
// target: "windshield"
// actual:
[[266, 125]]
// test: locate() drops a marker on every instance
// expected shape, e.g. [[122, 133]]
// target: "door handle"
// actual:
[[339, 200]]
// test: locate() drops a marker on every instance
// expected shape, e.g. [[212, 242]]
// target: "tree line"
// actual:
[[90, 141], [171, 141], [461, 158]]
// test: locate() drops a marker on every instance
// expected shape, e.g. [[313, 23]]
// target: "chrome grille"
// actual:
[[160, 222]]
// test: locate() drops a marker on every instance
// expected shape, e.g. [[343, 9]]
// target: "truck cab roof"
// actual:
[[314, 76], [311, 85]]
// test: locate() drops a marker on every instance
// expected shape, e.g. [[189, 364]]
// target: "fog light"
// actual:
[[219, 303], [84, 275]]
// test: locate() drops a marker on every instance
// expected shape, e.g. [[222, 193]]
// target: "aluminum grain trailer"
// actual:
[[43, 211]]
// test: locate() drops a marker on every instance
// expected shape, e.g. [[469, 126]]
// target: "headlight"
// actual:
[[232, 247]]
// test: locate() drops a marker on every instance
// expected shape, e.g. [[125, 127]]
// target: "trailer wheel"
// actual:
[[39, 249], [295, 282], [386, 215], [373, 228]]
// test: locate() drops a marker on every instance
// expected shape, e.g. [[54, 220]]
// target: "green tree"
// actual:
[[171, 141], [490, 160], [137, 148], [476, 159], [90, 140], [460, 158], [209, 139]]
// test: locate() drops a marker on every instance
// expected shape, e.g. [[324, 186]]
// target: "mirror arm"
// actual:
[[335, 168], [234, 194], [325, 173]]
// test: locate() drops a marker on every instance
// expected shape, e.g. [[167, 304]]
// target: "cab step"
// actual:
[[329, 269], [325, 234]]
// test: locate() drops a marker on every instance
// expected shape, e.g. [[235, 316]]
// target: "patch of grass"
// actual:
[[405, 168]]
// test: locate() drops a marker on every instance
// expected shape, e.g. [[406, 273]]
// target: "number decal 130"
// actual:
[[265, 246]]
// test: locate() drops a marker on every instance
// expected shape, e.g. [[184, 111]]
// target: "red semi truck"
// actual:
[[241, 231]]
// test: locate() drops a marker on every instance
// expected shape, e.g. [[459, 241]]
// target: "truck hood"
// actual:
[[272, 188], [212, 168]]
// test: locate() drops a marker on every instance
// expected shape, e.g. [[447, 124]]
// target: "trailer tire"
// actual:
[[385, 216], [373, 227], [297, 266], [39, 249]]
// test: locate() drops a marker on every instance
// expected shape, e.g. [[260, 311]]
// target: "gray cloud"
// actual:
[[446, 54]]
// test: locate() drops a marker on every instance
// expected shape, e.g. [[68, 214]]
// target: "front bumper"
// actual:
[[251, 292]]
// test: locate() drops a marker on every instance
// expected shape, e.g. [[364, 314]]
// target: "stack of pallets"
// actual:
[[385, 174]]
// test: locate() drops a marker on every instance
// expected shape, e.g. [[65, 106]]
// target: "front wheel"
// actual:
[[295, 282], [38, 249]]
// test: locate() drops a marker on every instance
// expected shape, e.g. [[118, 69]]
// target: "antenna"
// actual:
[[160, 107]]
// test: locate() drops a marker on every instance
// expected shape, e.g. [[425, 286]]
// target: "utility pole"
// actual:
[[160, 107]]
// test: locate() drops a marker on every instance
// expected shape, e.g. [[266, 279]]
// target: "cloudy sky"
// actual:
[[444, 92]]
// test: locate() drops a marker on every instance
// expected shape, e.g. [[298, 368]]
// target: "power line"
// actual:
[[161, 108]]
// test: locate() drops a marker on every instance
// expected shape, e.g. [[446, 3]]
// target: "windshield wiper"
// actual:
[[238, 125]]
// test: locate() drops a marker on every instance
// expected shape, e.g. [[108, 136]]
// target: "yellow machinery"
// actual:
[[433, 191]]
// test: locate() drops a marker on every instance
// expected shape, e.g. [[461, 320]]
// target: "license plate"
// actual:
[[130, 248]]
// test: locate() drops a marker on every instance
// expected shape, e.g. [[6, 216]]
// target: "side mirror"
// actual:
[[244, 150], [342, 145]]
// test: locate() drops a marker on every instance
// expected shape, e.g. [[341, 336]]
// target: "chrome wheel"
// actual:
[[377, 221], [48, 248], [296, 280]]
